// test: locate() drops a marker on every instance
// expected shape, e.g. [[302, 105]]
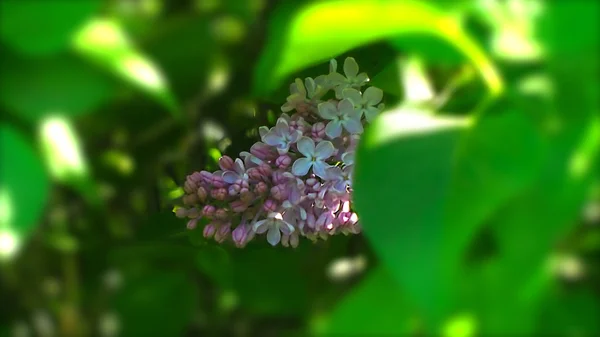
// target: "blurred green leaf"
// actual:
[[316, 32], [23, 188], [104, 42], [570, 314], [355, 314], [156, 304], [40, 27], [402, 172], [60, 84]]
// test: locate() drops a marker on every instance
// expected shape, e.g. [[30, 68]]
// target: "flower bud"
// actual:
[[217, 181], [254, 174], [294, 240], [325, 221], [239, 236], [234, 190], [192, 224], [202, 193], [196, 178], [189, 186], [226, 163], [208, 211], [262, 151], [283, 161], [279, 192], [265, 170], [270, 205], [261, 188], [219, 193], [209, 230], [318, 131], [222, 233], [193, 212], [279, 177], [206, 176], [221, 214], [181, 212], [190, 199], [238, 206], [285, 240]]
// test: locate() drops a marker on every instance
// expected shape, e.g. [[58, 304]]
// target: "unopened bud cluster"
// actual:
[[298, 180]]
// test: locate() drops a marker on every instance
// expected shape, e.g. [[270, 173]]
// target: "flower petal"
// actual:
[[286, 228], [306, 146], [260, 226], [310, 86], [230, 177], [328, 110], [333, 129], [336, 78], [370, 113], [273, 236], [346, 106], [332, 66], [373, 95], [319, 168], [301, 166], [272, 138], [300, 87], [353, 126], [348, 158], [350, 67], [324, 150], [362, 78], [333, 173], [353, 95], [238, 166], [282, 127]]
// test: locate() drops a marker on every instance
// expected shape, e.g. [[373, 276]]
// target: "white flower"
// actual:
[[313, 157], [302, 94], [343, 115], [281, 136], [366, 102], [352, 79], [274, 225]]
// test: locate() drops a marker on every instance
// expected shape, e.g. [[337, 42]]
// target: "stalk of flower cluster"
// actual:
[[297, 181]]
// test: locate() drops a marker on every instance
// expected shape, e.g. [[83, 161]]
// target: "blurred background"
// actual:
[[106, 106]]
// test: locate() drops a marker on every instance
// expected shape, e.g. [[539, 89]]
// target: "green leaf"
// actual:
[[570, 314], [402, 172], [156, 304], [39, 27], [23, 188], [323, 30], [354, 315], [105, 43], [60, 84]]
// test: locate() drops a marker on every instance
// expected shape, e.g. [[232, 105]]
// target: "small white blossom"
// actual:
[[343, 115], [314, 156], [366, 102]]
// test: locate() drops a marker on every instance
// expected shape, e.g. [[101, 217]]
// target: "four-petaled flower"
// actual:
[[238, 174], [343, 115], [281, 136], [274, 225], [314, 156], [340, 178], [366, 102], [352, 79]]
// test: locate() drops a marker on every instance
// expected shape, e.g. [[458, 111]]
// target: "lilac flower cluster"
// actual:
[[298, 180]]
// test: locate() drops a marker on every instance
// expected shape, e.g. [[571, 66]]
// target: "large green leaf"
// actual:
[[60, 84], [354, 315], [322, 30], [40, 27], [23, 188], [104, 42], [402, 173]]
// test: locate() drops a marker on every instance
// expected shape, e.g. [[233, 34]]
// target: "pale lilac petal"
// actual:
[[332, 66], [371, 113], [295, 135], [272, 138], [238, 166], [310, 86], [333, 129], [336, 78], [328, 110], [286, 228], [282, 126], [354, 114], [350, 67], [301, 166], [353, 126], [287, 106], [263, 130], [324, 150], [333, 173], [340, 186], [306, 146], [300, 87], [362, 78], [273, 236], [260, 226], [373, 95], [319, 168], [302, 213], [230, 177], [353, 95], [348, 158], [346, 106]]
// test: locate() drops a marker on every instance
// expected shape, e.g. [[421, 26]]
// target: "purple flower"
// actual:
[[274, 225], [281, 136], [339, 178], [342, 115], [238, 175], [314, 156]]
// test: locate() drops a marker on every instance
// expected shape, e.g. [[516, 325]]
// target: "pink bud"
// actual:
[[193, 212], [279, 177], [196, 177], [202, 194], [208, 211], [226, 163], [189, 186], [239, 235], [181, 212], [318, 131], [325, 220], [192, 224], [217, 181], [206, 176], [209, 231], [219, 193], [190, 199], [265, 170], [238, 206], [261, 188], [221, 214], [222, 233], [283, 161], [262, 151], [294, 240], [270, 205], [279, 192], [254, 174]]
